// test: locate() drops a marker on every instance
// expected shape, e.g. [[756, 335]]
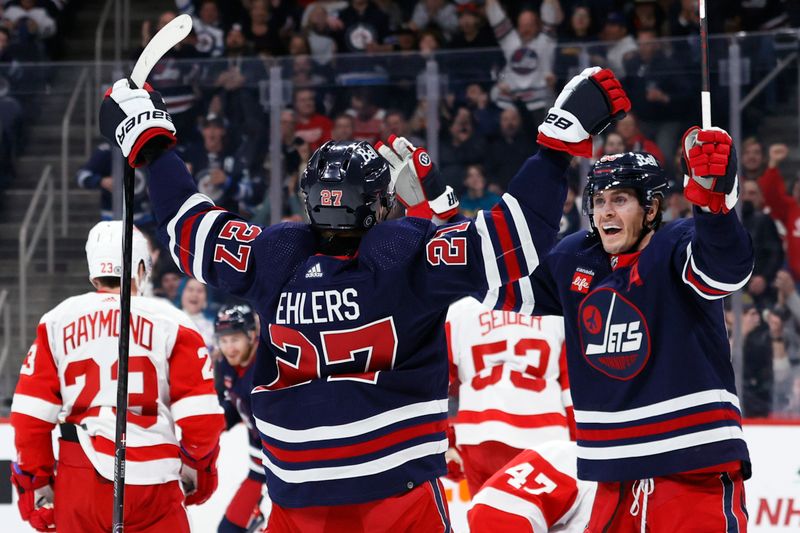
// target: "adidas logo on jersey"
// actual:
[[314, 272]]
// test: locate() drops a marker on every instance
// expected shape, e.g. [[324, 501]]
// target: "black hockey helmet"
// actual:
[[233, 318], [344, 186], [639, 171]]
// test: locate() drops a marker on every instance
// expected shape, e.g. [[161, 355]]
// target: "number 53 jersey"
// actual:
[[351, 378], [511, 369], [70, 376]]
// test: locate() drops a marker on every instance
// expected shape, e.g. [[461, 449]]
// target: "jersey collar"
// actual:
[[624, 260]]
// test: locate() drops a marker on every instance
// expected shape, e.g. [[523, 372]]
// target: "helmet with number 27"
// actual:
[[346, 186]]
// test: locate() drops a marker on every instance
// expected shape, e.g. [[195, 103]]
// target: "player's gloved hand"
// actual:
[[199, 476], [455, 464], [710, 166], [587, 105], [417, 182], [35, 499], [137, 121]]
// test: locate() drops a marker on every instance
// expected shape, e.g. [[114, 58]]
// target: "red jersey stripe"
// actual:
[[137, 453], [656, 428]]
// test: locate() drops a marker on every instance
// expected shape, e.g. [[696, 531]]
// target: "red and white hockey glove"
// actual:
[[199, 476], [709, 165], [587, 105], [137, 121], [35, 499], [417, 182]]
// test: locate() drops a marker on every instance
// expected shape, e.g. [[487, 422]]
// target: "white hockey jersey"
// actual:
[[513, 381], [538, 491], [70, 374]]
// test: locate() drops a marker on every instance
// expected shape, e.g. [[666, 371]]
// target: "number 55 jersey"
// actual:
[[70, 377], [351, 377]]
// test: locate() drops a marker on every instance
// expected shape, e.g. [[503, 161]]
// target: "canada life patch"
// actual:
[[614, 336], [581, 280]]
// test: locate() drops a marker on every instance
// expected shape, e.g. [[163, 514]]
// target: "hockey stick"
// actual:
[[705, 88], [160, 44]]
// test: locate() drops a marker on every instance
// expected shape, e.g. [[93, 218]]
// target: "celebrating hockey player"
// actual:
[[513, 391], [236, 332], [351, 381], [69, 379], [538, 491]]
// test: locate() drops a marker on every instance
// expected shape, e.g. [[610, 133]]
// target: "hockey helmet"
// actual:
[[639, 171], [233, 318], [104, 252], [344, 186]]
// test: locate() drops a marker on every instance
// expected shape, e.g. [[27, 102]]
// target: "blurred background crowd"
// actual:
[[359, 69]]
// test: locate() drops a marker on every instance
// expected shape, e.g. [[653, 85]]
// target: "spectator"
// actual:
[[647, 16], [11, 132], [96, 174], [207, 26], [435, 13], [752, 159], [634, 139], [569, 60], [476, 195], [342, 128], [788, 306], [757, 379], [619, 43], [792, 406], [485, 113], [429, 42], [661, 91], [460, 149], [303, 73], [194, 301], [362, 24], [28, 19], [685, 21], [529, 55], [311, 126], [506, 154], [167, 281], [614, 143], [781, 365], [216, 168], [263, 31], [395, 123], [318, 31], [367, 116], [768, 248], [783, 208], [473, 31], [571, 217]]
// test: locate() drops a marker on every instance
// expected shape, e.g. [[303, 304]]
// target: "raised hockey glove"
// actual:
[[199, 476], [35, 500], [710, 166], [587, 105], [137, 121], [417, 182]]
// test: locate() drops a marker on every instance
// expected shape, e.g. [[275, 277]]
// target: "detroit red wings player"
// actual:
[[69, 379], [538, 491], [513, 390]]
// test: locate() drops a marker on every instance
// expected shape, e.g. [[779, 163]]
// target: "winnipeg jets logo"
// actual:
[[314, 272], [614, 335]]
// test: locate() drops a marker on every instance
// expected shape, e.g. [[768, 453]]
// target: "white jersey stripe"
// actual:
[[488, 251], [35, 407], [352, 429], [200, 243], [192, 201], [708, 280], [525, 239], [656, 447], [204, 404], [660, 408], [528, 300], [368, 468], [511, 504]]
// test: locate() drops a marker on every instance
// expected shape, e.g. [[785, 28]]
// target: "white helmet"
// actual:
[[104, 252]]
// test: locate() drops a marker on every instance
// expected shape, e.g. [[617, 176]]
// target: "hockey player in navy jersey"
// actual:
[[236, 336], [351, 378], [658, 419]]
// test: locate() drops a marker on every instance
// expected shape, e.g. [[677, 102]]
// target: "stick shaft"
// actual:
[[124, 338], [705, 85]]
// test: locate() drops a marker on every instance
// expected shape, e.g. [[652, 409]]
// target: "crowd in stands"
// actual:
[[503, 61]]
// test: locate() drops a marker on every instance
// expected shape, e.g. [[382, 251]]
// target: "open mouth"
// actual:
[[611, 229]]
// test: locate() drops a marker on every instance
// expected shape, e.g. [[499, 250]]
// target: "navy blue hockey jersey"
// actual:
[[647, 350], [352, 374], [233, 387]]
